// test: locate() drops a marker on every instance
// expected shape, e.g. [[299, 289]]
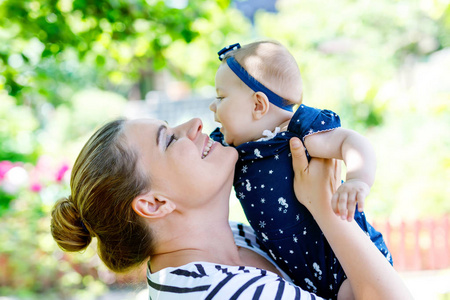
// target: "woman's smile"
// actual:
[[208, 147]]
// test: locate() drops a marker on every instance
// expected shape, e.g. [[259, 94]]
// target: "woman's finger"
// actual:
[[299, 160]]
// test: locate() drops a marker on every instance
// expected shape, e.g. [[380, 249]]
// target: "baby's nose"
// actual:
[[212, 106]]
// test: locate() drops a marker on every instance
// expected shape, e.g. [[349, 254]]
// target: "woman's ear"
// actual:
[[260, 105], [152, 206]]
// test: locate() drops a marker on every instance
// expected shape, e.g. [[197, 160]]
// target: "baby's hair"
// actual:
[[273, 65], [105, 179]]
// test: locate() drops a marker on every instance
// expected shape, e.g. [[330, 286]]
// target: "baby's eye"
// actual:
[[219, 98]]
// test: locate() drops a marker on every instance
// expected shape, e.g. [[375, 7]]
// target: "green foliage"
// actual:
[[349, 50], [53, 47], [5, 200], [17, 124]]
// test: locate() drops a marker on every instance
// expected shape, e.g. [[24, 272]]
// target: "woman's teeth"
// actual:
[[207, 148]]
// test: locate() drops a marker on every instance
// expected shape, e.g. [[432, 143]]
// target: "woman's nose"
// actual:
[[213, 106], [194, 127]]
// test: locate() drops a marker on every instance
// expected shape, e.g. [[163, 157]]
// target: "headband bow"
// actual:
[[226, 49]]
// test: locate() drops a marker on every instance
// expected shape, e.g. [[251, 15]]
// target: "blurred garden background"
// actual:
[[68, 66]]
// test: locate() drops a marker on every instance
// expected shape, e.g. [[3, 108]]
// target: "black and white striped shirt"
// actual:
[[205, 280]]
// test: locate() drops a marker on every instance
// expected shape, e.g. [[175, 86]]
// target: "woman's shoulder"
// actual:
[[245, 237], [205, 280]]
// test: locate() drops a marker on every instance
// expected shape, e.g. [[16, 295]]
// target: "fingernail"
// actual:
[[295, 143]]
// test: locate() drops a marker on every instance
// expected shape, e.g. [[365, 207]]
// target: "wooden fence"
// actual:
[[419, 244]]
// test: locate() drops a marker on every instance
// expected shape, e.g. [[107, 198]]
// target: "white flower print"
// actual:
[[295, 239], [310, 284], [257, 153], [262, 224], [277, 157], [283, 202], [271, 172], [317, 268], [263, 200], [273, 255], [244, 169], [264, 236], [323, 122], [263, 186], [248, 186], [241, 195]]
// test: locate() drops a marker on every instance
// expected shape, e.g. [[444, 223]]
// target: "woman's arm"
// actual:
[[369, 273], [360, 160]]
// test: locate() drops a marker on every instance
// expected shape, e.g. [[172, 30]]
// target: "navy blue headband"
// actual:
[[257, 86]]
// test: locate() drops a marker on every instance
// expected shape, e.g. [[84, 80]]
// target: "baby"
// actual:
[[257, 86]]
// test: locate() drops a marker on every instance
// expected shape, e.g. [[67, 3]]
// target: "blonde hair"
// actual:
[[104, 181], [273, 65]]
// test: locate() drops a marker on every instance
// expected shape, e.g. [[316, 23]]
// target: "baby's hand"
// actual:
[[347, 195]]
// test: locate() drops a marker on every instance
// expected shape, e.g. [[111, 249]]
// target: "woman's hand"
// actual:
[[317, 180], [370, 274]]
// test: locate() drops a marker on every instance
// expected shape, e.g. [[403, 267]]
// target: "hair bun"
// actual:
[[66, 226]]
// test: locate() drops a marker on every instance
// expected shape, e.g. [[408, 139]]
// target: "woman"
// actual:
[[147, 190]]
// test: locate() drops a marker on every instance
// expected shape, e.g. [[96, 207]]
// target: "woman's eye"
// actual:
[[170, 140]]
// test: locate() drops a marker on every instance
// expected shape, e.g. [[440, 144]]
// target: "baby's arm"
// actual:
[[359, 157], [370, 274]]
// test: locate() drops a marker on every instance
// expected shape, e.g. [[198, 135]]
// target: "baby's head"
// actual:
[[242, 107]]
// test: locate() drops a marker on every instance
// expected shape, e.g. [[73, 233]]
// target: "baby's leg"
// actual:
[[345, 291]]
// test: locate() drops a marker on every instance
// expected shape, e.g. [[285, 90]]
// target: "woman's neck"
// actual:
[[207, 242]]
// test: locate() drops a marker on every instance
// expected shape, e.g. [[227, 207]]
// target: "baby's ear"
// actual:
[[150, 205], [260, 105]]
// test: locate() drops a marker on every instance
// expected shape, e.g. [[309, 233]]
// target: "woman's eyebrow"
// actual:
[[158, 134]]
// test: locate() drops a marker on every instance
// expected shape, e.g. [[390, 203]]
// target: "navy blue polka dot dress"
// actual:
[[263, 184]]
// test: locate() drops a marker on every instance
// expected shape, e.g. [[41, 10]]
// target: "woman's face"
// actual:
[[182, 162]]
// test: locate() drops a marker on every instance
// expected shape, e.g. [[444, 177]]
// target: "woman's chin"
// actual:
[[235, 152]]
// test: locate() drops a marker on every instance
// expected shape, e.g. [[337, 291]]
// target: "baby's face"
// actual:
[[233, 106]]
